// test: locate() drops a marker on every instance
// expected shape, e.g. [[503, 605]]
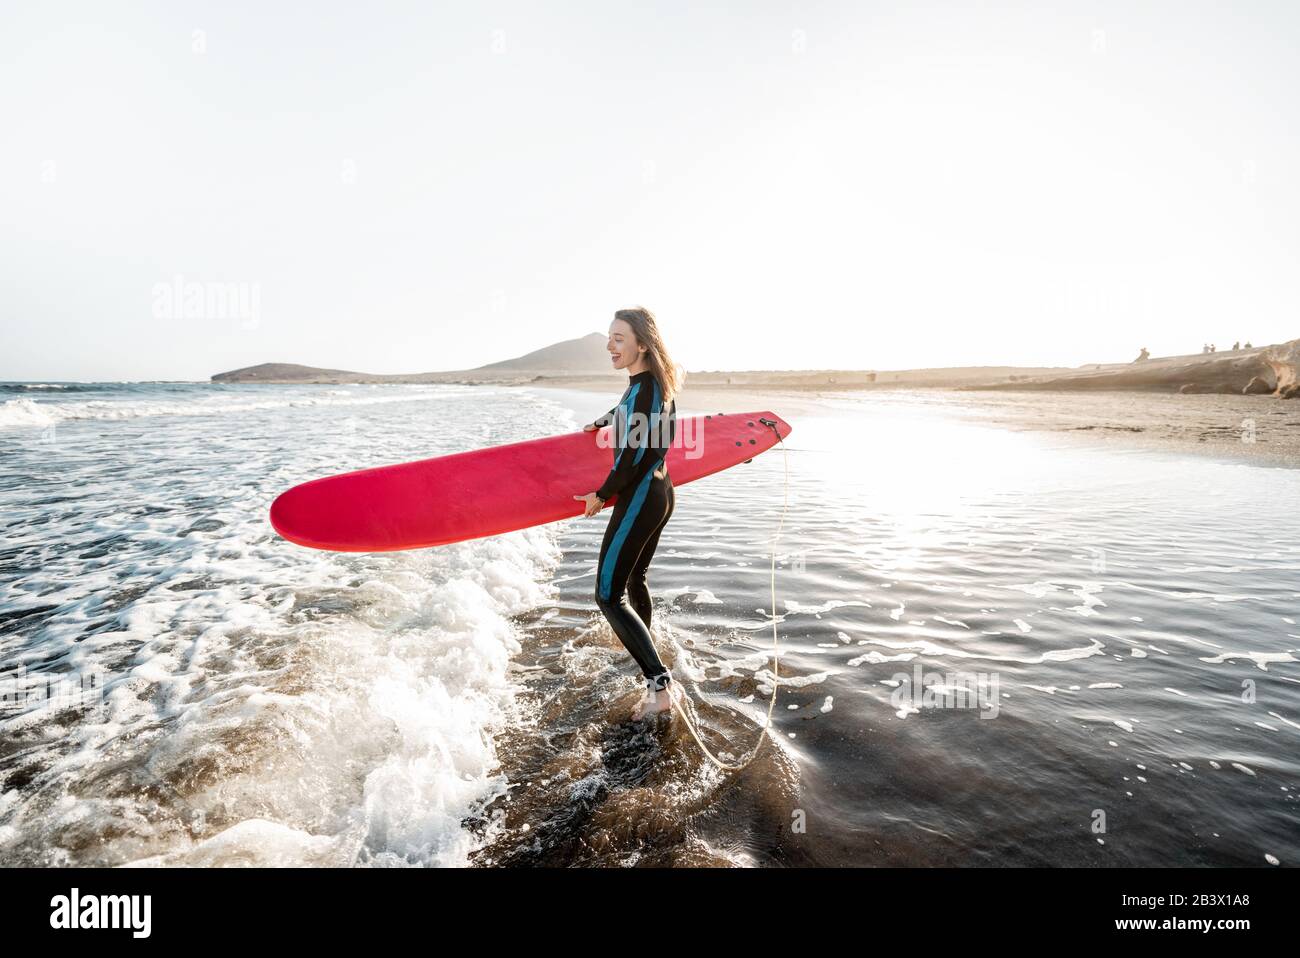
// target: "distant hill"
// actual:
[[584, 356], [575, 360], [1271, 369], [287, 373]]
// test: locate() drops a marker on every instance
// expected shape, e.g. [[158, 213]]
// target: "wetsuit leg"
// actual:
[[639, 515], [638, 590]]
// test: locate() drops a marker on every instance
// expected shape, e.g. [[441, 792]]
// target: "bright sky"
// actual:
[[787, 185]]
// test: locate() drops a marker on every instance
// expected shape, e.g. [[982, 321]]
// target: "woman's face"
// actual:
[[623, 347]]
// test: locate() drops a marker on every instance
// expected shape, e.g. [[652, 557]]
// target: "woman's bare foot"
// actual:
[[652, 703]]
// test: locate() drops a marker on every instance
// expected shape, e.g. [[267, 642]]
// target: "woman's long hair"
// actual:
[[668, 373]]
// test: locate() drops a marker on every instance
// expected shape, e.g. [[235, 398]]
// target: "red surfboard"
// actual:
[[467, 495]]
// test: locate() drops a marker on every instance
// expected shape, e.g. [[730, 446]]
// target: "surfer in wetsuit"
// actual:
[[645, 423]]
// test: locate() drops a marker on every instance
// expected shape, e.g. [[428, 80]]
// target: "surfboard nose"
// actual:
[[783, 428]]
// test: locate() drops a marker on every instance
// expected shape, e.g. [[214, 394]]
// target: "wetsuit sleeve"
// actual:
[[640, 448], [604, 420]]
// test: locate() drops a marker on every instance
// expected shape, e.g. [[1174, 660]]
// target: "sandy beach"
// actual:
[[1254, 429]]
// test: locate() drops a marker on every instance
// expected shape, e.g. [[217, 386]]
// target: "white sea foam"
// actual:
[[28, 412], [264, 703]]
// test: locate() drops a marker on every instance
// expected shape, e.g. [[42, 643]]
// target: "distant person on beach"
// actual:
[[1143, 356], [645, 422], [1236, 346], [1205, 347], [1249, 346], [1211, 347]]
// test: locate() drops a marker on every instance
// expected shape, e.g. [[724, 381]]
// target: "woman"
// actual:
[[645, 422]]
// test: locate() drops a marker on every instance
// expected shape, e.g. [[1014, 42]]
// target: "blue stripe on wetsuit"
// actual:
[[634, 507], [654, 407], [611, 557], [629, 403]]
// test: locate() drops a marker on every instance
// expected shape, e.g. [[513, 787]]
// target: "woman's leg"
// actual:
[[636, 517], [638, 590]]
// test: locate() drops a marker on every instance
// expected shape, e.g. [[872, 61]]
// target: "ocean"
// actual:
[[997, 647]]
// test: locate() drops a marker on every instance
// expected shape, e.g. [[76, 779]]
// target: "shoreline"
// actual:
[[1255, 430]]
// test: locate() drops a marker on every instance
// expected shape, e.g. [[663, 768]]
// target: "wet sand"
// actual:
[[1116, 598]]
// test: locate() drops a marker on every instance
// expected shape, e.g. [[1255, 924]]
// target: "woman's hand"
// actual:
[[594, 504]]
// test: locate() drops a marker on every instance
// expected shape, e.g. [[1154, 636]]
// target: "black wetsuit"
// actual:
[[644, 428]]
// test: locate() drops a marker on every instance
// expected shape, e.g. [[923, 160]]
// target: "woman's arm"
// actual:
[[604, 420], [608, 418]]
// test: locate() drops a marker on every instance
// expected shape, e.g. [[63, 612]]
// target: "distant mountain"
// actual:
[[584, 356], [287, 373], [1271, 369]]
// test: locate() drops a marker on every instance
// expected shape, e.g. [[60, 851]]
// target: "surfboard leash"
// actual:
[[776, 650]]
